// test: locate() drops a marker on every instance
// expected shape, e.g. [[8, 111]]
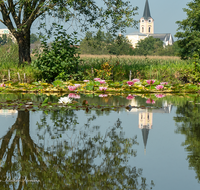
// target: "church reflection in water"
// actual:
[[146, 118]]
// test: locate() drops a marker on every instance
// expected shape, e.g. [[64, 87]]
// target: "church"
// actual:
[[147, 29]]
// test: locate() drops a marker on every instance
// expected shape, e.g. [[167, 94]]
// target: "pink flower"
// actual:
[[77, 85], [102, 88], [129, 97], [136, 80], [164, 83], [97, 79], [130, 83], [72, 88], [150, 81], [102, 81], [160, 95], [159, 87], [198, 83], [86, 80], [150, 101], [102, 95], [3, 85]]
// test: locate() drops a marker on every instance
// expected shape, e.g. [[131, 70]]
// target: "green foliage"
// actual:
[[34, 38], [148, 46], [105, 43], [5, 40], [60, 61], [189, 31]]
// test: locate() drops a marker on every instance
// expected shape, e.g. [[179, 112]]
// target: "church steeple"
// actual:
[[147, 22], [146, 13]]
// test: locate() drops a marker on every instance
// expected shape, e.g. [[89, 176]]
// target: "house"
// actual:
[[147, 29]]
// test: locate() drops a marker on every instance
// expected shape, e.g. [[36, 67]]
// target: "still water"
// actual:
[[126, 149]]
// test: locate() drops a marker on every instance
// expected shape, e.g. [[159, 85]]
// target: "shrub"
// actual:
[[59, 60]]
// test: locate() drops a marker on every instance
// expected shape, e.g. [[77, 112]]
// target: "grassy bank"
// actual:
[[116, 68]]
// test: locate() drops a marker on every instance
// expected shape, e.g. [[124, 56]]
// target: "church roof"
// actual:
[[146, 13], [145, 133], [137, 33], [163, 37]]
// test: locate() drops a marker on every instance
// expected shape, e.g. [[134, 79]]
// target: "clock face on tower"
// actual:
[[149, 20]]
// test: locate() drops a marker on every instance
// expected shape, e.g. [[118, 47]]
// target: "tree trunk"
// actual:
[[23, 40]]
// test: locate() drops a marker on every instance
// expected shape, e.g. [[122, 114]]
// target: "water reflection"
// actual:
[[82, 162], [188, 124]]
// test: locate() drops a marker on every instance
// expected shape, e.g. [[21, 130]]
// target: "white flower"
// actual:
[[64, 100]]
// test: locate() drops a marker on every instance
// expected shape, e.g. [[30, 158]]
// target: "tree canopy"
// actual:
[[19, 16], [189, 30]]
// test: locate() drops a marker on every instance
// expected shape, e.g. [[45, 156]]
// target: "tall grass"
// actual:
[[160, 69], [9, 61]]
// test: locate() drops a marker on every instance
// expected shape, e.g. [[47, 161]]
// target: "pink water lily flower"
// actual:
[[75, 96], [160, 95], [72, 88], [136, 80], [150, 81], [86, 80], [150, 101], [102, 81], [102, 88], [130, 83], [159, 87], [3, 85], [164, 83], [77, 85], [97, 79], [102, 95], [129, 97]]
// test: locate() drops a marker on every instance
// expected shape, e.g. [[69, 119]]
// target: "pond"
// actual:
[[153, 144]]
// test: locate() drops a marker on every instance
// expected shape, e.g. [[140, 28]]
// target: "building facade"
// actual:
[[147, 29], [8, 33]]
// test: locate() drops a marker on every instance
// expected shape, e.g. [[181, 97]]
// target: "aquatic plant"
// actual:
[[159, 87], [72, 88], [64, 100]]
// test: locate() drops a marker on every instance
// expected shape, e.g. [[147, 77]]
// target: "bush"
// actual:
[[59, 60]]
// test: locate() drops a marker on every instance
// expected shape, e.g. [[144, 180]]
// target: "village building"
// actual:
[[8, 34], [147, 29]]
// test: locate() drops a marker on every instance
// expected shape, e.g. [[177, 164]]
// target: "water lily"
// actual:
[[75, 96], [103, 88], [129, 97], [136, 80], [150, 82], [3, 85], [164, 83], [130, 83], [150, 101], [159, 87], [77, 85], [160, 95], [102, 81], [86, 80], [102, 95], [64, 100], [97, 79], [72, 88]]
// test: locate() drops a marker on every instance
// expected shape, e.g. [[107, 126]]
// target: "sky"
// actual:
[[165, 14]]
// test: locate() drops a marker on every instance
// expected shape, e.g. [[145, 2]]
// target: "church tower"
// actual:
[[147, 22]]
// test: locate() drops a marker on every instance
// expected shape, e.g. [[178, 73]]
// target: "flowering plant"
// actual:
[[72, 88], [77, 85], [160, 95], [3, 85], [130, 83], [150, 82], [64, 100], [164, 83], [97, 79], [159, 87], [136, 80], [102, 95], [129, 97], [75, 96], [102, 81], [103, 88], [86, 80], [150, 101]]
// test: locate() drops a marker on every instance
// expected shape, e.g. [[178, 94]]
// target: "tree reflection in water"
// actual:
[[87, 162], [188, 123]]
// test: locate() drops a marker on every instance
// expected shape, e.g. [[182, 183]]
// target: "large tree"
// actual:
[[189, 30], [19, 15]]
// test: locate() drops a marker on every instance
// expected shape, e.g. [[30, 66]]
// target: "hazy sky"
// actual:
[[164, 12]]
